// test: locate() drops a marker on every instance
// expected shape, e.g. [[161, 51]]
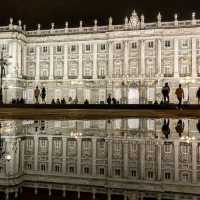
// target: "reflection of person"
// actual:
[[165, 128], [43, 94], [198, 125], [198, 95], [180, 127]]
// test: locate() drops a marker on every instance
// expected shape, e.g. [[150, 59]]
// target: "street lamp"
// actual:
[[3, 62]]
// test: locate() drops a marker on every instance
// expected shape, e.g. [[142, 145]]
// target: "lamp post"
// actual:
[[3, 62]]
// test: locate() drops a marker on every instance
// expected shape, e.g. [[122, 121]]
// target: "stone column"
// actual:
[[194, 162], [194, 56], [176, 157], [50, 154], [65, 62], [125, 156], [12, 68], [159, 57], [80, 71], [95, 61], [110, 59], [142, 159], [94, 145], [142, 58], [19, 59], [36, 153], [126, 58], [37, 70], [79, 156], [109, 146], [159, 161], [51, 71], [64, 154], [176, 67], [22, 155], [24, 60]]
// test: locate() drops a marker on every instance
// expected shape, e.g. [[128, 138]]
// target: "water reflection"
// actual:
[[105, 159]]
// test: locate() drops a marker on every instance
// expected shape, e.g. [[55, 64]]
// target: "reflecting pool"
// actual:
[[127, 159]]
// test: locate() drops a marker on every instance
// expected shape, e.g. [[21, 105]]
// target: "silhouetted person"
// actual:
[[86, 101], [155, 102], [76, 100], [53, 101], [21, 101], [36, 94], [165, 93], [57, 101], [114, 101], [63, 101], [109, 99], [198, 95], [70, 99], [161, 102], [198, 125], [43, 95], [180, 95], [180, 127], [165, 128], [18, 101]]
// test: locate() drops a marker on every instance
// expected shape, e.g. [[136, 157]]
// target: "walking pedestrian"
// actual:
[[198, 95], [109, 99], [165, 93], [180, 95], [37, 94], [43, 95]]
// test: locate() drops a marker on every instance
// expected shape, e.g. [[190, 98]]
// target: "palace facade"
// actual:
[[131, 61], [128, 157]]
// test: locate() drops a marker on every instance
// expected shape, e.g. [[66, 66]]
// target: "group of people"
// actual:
[[112, 100], [38, 93], [179, 94]]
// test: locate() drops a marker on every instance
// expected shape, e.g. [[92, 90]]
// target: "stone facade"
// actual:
[[125, 154], [131, 61]]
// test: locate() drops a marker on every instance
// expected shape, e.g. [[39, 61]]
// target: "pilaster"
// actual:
[[126, 58], [65, 62], [36, 153], [110, 59], [159, 161], [19, 59], [194, 162], [50, 154], [125, 156], [176, 158], [24, 60], [194, 56], [95, 61], [37, 70], [64, 155], [80, 71], [109, 143], [94, 144], [142, 58], [51, 74], [159, 57], [176, 67], [79, 156], [142, 160]]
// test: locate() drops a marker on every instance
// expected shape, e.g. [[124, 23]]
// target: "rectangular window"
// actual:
[[45, 49], [117, 172], [87, 47], [133, 173], [167, 176], [59, 49], [167, 148], [134, 45], [151, 44], [31, 50], [73, 48], [150, 174], [184, 43], [103, 47], [118, 46], [167, 43], [86, 170], [71, 170], [101, 171]]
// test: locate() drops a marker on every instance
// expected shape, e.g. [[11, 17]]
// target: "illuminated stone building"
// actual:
[[126, 157], [131, 61]]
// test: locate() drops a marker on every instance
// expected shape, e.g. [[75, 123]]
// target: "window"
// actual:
[[133, 173], [31, 50], [117, 172], [71, 170], [103, 47], [57, 168], [151, 44], [44, 49], [184, 43], [86, 170], [87, 47], [167, 148], [59, 49], [118, 46], [73, 48], [101, 171], [167, 43], [134, 45], [185, 177], [43, 167], [150, 174], [167, 176]]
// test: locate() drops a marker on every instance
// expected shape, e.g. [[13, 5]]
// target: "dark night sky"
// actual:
[[46, 11]]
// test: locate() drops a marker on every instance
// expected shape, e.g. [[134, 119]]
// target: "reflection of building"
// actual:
[[91, 62], [116, 156]]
